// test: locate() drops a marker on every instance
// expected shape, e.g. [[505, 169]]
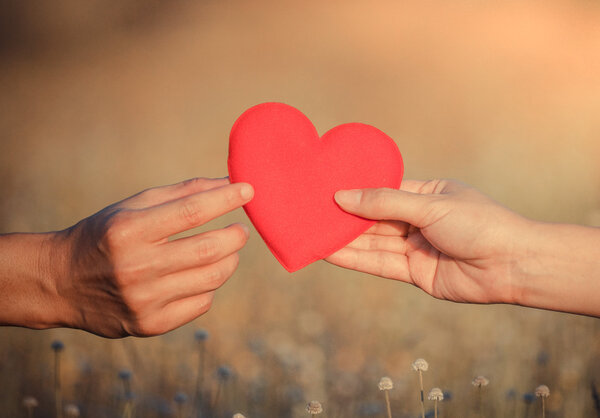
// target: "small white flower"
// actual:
[[542, 391], [480, 381], [314, 407], [436, 394], [420, 365], [385, 383]]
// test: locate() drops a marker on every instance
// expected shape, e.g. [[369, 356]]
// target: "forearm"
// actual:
[[29, 265], [559, 269]]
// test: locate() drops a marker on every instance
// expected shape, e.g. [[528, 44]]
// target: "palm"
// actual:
[[458, 253]]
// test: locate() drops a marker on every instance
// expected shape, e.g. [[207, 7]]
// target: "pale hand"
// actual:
[[457, 244]]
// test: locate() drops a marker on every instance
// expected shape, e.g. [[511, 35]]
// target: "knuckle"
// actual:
[[233, 196], [379, 198], [135, 302], [141, 327], [119, 230], [208, 248], [206, 305], [217, 275], [234, 261], [191, 212], [150, 194], [214, 277], [128, 271], [195, 182]]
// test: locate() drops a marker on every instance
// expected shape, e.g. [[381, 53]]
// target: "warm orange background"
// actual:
[[99, 100]]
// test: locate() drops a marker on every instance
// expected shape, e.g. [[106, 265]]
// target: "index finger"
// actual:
[[162, 221]]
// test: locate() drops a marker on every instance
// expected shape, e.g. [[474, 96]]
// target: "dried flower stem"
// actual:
[[543, 407], [218, 395], [422, 396], [387, 402], [200, 378], [128, 409], [57, 386]]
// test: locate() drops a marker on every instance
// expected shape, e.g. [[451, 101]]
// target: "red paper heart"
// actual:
[[295, 175]]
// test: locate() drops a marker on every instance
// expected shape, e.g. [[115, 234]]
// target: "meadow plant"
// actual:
[[180, 401], [72, 411], [511, 403], [30, 403], [435, 395], [224, 374], [386, 384], [57, 346], [480, 382], [125, 378], [420, 365], [314, 407], [200, 336], [528, 399], [542, 392]]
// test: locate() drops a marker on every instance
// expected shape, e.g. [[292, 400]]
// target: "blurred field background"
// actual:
[[101, 99]]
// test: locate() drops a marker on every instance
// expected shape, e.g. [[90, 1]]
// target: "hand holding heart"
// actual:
[[457, 244], [442, 236], [117, 273]]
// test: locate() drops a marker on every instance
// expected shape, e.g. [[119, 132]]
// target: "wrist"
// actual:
[[556, 268], [53, 268], [30, 265]]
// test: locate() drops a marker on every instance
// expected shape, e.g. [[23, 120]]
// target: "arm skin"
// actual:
[[457, 244], [117, 273]]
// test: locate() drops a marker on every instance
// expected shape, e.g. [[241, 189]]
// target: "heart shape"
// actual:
[[295, 175]]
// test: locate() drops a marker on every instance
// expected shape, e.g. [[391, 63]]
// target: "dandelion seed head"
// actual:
[[542, 391], [314, 407], [420, 365], [480, 381], [72, 411], [30, 402], [435, 394], [180, 398], [201, 335], [57, 345], [385, 383]]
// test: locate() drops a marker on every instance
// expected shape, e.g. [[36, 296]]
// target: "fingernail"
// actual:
[[246, 229], [246, 192], [348, 198]]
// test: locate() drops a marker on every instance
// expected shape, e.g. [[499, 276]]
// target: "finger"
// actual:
[[178, 313], [202, 249], [379, 263], [413, 186], [372, 242], [391, 228], [195, 281], [387, 204], [159, 222], [158, 195]]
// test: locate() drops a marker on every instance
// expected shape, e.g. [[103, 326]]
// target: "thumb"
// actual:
[[386, 204]]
